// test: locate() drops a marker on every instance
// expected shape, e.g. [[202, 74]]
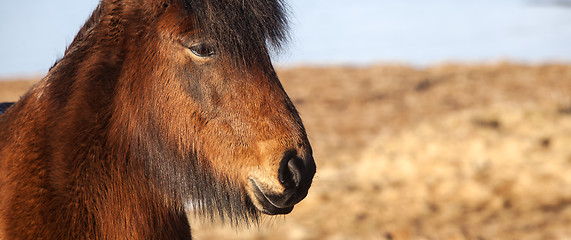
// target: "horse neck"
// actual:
[[85, 184], [78, 181], [129, 213]]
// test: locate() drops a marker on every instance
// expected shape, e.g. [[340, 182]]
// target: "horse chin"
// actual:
[[262, 201]]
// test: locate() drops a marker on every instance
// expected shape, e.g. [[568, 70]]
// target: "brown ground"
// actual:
[[448, 152], [11, 90]]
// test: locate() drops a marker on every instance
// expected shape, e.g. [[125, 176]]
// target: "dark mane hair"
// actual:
[[215, 196], [241, 28]]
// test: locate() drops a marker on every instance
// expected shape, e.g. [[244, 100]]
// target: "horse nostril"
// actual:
[[295, 175], [290, 172]]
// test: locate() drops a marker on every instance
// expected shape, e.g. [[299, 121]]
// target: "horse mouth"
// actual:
[[264, 204]]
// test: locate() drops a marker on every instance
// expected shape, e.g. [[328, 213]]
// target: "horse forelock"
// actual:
[[242, 28]]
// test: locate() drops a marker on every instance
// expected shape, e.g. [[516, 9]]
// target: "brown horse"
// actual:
[[157, 106]]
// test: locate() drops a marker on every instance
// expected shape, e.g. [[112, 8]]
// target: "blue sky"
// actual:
[[34, 33]]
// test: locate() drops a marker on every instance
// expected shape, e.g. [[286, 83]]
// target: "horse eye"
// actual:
[[202, 50]]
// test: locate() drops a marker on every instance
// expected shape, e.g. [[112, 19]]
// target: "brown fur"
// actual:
[[129, 127]]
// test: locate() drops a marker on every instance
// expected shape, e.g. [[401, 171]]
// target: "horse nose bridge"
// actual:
[[263, 96]]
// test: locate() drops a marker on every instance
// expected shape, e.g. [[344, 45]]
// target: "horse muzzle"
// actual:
[[295, 176]]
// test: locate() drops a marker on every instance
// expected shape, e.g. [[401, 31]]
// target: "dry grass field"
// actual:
[[446, 152]]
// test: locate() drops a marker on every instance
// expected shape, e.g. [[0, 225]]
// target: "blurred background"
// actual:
[[429, 119], [419, 32]]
